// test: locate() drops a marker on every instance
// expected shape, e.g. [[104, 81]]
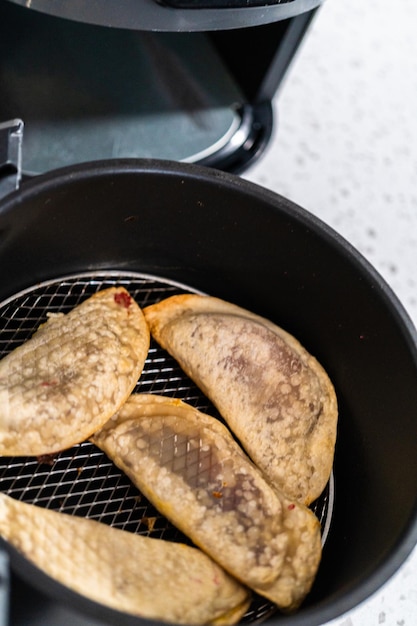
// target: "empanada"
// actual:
[[190, 467], [65, 382], [151, 578], [275, 396]]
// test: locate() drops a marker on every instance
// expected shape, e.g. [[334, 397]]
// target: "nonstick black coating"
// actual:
[[236, 240]]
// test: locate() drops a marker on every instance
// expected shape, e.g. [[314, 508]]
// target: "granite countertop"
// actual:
[[345, 148]]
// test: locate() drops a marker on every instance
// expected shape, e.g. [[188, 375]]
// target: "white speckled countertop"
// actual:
[[345, 149]]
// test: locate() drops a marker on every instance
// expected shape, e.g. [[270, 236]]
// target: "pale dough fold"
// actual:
[[65, 382], [190, 467], [275, 396], [150, 578]]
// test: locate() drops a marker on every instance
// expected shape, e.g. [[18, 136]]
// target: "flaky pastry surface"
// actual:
[[150, 578], [61, 385], [273, 394], [190, 467]]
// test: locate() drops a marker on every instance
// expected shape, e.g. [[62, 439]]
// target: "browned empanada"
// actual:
[[72, 375], [150, 578], [273, 394], [190, 467]]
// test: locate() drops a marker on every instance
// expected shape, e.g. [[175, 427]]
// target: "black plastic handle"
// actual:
[[11, 138]]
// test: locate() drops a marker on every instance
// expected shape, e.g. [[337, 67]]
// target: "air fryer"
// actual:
[[188, 84]]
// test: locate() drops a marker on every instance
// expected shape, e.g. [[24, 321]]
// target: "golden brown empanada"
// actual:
[[273, 394], [190, 467], [72, 375], [150, 578]]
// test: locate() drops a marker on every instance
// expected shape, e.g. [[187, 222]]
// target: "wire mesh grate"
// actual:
[[82, 480]]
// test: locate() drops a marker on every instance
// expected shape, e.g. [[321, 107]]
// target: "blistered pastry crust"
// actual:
[[72, 375], [274, 395], [188, 464], [150, 578]]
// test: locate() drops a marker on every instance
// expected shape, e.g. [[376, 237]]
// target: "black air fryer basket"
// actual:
[[158, 228]]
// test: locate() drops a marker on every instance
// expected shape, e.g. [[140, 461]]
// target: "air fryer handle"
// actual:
[[11, 137], [4, 588]]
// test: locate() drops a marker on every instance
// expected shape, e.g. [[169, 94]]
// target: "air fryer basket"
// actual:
[[161, 228]]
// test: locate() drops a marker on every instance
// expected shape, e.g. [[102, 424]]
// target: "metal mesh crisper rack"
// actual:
[[82, 481]]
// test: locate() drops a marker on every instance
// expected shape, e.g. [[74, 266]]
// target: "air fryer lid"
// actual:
[[216, 233]]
